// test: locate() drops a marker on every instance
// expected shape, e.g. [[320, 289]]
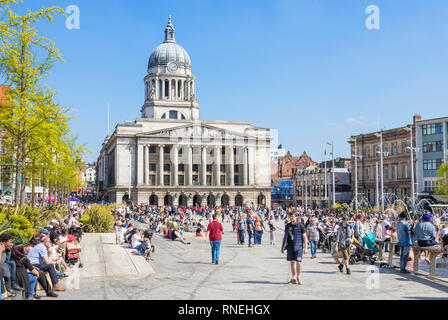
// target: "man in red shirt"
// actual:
[[214, 231]]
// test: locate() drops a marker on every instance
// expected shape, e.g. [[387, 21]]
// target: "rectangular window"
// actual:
[[209, 168], [181, 150], [385, 173], [166, 150], [166, 167], [223, 180], [404, 172], [173, 114], [236, 180], [152, 179], [223, 150], [394, 148], [434, 128], [236, 168], [208, 180], [181, 167], [195, 167], [433, 164], [195, 179], [152, 167], [223, 168], [181, 180], [394, 172], [403, 147], [366, 153], [152, 149], [166, 180], [367, 174]]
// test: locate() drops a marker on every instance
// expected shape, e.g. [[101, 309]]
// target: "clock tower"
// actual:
[[169, 84]]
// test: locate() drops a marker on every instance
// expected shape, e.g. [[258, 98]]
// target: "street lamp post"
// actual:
[[130, 176], [412, 149], [380, 135], [356, 172], [332, 169], [325, 175], [377, 203]]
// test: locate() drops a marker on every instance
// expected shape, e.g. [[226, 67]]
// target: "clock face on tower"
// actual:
[[172, 66]]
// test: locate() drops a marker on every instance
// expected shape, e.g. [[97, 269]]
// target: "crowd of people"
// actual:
[[23, 266]]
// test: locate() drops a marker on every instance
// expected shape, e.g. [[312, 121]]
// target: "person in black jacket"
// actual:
[[27, 280]]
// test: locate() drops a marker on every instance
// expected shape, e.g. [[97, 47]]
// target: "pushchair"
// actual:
[[73, 252], [327, 240], [360, 253], [369, 241]]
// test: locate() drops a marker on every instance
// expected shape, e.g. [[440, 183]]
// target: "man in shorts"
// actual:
[[344, 238], [296, 243]]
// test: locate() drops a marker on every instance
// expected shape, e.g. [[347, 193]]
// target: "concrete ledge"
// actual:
[[103, 258]]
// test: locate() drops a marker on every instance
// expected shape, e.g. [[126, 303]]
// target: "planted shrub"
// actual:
[[97, 219]]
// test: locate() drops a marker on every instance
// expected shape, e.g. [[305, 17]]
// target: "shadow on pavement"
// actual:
[[425, 298], [275, 258], [260, 282], [199, 262], [435, 283], [323, 272]]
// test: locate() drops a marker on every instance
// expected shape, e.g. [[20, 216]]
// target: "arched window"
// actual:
[[179, 89], [182, 117], [163, 116]]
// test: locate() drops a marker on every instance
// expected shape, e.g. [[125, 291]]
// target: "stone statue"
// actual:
[[152, 94]]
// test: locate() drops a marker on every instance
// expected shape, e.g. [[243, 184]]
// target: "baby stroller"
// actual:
[[328, 239], [73, 252], [360, 253], [76, 232], [369, 241]]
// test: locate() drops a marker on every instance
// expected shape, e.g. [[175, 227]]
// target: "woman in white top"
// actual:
[[136, 239]]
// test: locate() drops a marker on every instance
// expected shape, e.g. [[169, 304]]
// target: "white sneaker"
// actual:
[[293, 281]]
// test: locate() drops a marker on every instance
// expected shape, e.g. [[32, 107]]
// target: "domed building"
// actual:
[[171, 157]]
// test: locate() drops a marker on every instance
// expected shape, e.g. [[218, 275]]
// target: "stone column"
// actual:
[[244, 166], [163, 89], [231, 166], [140, 163], [218, 166], [204, 166], [251, 160], [145, 166], [175, 165], [190, 165], [161, 164]]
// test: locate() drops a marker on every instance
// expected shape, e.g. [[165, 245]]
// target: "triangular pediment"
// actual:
[[195, 131]]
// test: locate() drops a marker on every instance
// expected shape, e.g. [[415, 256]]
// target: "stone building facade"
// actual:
[[396, 164], [170, 157]]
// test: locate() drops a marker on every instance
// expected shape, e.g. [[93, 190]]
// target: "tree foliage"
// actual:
[[39, 143], [442, 174]]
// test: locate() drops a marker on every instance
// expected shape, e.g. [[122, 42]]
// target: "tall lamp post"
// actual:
[[380, 135], [412, 149], [325, 175], [332, 169], [356, 172]]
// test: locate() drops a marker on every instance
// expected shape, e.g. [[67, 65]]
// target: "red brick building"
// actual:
[[288, 165]]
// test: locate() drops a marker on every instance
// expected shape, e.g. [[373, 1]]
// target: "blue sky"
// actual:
[[308, 68]]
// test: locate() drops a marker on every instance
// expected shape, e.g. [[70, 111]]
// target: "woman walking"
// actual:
[[272, 230]]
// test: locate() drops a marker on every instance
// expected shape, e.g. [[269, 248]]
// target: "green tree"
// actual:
[[442, 174]]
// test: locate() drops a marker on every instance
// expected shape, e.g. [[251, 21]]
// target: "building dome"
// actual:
[[169, 51]]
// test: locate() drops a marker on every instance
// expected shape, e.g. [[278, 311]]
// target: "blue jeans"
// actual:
[[33, 282], [258, 235], [250, 236], [313, 245], [215, 249], [404, 255], [12, 264]]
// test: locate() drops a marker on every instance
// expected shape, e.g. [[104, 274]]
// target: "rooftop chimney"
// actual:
[[417, 117]]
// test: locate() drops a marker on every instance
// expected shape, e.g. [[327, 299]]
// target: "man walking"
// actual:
[[214, 234], [404, 241], [294, 242], [344, 240], [313, 235]]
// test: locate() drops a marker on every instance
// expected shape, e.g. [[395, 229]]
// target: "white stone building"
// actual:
[[170, 157]]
